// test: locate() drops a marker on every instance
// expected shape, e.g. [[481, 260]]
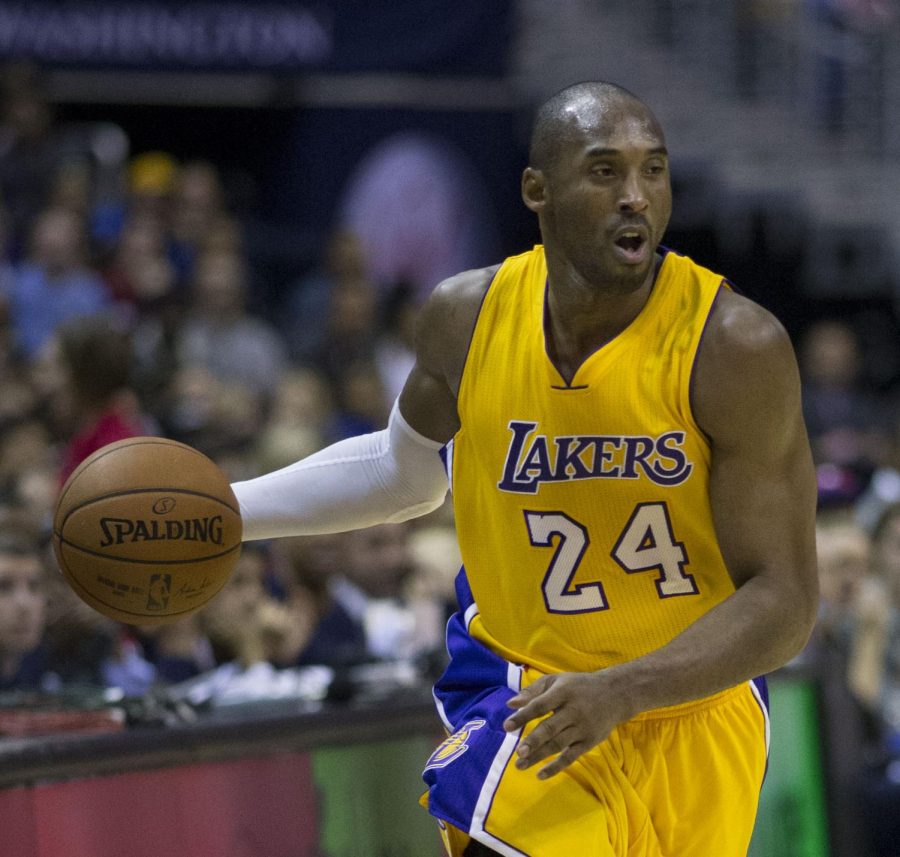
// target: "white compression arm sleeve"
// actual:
[[387, 476]]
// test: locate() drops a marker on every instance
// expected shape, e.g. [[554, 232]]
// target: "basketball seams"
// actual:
[[190, 492], [119, 496], [88, 596], [131, 561], [125, 443]]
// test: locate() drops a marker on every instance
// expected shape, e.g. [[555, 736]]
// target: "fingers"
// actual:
[[546, 740], [566, 745], [563, 760], [557, 735], [534, 689], [534, 701]]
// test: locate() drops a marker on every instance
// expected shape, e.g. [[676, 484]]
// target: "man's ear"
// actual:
[[533, 190]]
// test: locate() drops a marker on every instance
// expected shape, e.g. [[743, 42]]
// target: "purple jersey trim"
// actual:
[[471, 696], [760, 689], [490, 285], [691, 379]]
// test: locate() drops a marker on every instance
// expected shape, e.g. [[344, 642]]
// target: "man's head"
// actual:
[[58, 241], [598, 179], [96, 358], [220, 286], [22, 594]]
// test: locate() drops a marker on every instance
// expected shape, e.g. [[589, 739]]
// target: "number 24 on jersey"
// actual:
[[646, 543]]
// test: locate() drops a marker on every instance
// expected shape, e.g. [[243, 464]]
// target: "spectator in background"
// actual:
[[95, 405], [875, 666], [843, 550], [141, 241], [845, 583], [142, 279], [244, 622], [352, 329], [298, 420], [221, 336], [845, 422], [218, 418], [884, 487], [29, 149], [72, 189], [196, 210], [85, 648], [96, 359], [342, 272], [150, 181], [55, 283], [49, 639], [23, 602], [28, 463], [875, 680], [362, 404], [323, 629], [395, 343], [378, 590], [158, 314], [178, 651]]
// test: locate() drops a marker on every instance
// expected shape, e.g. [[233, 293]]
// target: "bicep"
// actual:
[[762, 480], [428, 405], [443, 331], [763, 500]]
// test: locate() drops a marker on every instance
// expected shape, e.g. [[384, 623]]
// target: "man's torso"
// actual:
[[582, 509]]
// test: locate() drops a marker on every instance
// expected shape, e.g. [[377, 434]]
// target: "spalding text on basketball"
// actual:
[[117, 531]]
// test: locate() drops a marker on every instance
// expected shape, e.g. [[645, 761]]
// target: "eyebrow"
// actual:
[[601, 152]]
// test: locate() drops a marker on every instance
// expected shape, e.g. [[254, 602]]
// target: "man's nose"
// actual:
[[633, 196]]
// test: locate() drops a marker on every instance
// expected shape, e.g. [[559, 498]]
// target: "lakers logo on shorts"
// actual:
[[454, 746]]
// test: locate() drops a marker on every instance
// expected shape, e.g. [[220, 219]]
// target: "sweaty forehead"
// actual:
[[613, 122]]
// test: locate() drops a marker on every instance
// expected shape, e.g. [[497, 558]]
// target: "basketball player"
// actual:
[[634, 501]]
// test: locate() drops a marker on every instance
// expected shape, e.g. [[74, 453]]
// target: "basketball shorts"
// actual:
[[681, 781]]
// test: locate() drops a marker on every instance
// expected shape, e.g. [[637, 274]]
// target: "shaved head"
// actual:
[[561, 116]]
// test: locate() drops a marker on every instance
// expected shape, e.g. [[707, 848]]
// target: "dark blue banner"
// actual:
[[421, 36]]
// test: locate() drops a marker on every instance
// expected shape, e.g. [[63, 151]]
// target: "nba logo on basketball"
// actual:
[[158, 591]]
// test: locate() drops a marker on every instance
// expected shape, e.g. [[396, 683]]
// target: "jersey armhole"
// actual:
[[723, 284], [464, 375]]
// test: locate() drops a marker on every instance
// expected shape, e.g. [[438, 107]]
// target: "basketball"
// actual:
[[146, 530]]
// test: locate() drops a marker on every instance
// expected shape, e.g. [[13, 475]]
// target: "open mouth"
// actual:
[[632, 245]]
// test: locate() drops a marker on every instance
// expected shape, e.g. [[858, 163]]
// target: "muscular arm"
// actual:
[[386, 476], [763, 496], [445, 327]]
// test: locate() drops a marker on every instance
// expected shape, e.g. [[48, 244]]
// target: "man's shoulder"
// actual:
[[740, 324], [465, 288], [448, 320], [734, 320], [453, 307], [465, 292], [745, 363]]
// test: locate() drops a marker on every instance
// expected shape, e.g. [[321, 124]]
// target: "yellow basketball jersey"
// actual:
[[582, 510]]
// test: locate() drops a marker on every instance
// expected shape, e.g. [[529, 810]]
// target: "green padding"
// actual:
[[792, 818], [369, 799]]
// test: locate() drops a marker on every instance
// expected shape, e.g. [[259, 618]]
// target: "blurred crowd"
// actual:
[[128, 306]]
